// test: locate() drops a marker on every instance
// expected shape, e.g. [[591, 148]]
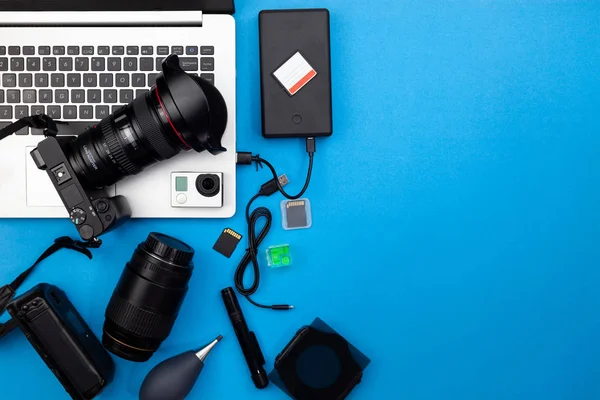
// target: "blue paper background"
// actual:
[[455, 236]]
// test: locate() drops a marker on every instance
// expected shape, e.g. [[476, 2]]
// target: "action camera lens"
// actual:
[[147, 299], [180, 113], [208, 185]]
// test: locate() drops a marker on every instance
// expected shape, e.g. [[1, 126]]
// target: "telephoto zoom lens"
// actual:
[[147, 299]]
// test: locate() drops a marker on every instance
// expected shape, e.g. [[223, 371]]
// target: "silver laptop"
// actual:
[[81, 66]]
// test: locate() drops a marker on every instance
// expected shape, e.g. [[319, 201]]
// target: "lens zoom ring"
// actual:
[[138, 321], [151, 130], [116, 149]]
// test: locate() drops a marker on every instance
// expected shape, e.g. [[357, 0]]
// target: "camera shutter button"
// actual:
[[181, 198]]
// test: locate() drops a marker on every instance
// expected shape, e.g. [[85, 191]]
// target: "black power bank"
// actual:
[[295, 73]]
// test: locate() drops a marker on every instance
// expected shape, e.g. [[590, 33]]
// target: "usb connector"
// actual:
[[272, 187]]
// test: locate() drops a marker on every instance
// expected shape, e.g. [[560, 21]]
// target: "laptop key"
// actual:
[[22, 132], [138, 80], [49, 64], [9, 80], [110, 96], [45, 96], [188, 63], [13, 96], [74, 128], [130, 64], [106, 80], [159, 61], [1, 96], [209, 77], [152, 79], [25, 80], [28, 50], [82, 64], [207, 64], [17, 64], [58, 50], [6, 112], [98, 63], [57, 80], [118, 50], [87, 50], [70, 112], [54, 112], [140, 92], [94, 96], [103, 50], [114, 109], [147, 50], [21, 112], [77, 96], [73, 80], [44, 50], [33, 64], [191, 50], [177, 50], [90, 80], [146, 64], [101, 112], [162, 50], [3, 64], [86, 112], [122, 80], [114, 64], [133, 50], [126, 96], [2, 50], [29, 96], [65, 64], [61, 96], [37, 110], [14, 50], [207, 50], [73, 50], [41, 80]]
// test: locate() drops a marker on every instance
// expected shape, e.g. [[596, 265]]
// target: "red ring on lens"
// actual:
[[162, 106]]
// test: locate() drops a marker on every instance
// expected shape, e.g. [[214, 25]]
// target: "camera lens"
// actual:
[[208, 185], [148, 296], [180, 113]]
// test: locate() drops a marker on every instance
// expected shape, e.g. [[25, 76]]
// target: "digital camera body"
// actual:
[[92, 211], [63, 340]]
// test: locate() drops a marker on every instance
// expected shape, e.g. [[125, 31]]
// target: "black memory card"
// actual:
[[227, 242]]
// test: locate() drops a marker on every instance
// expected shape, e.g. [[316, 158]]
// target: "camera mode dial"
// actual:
[[78, 216]]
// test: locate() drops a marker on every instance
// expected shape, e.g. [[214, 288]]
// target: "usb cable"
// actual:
[[269, 188]]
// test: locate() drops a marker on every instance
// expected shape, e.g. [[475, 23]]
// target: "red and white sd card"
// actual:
[[295, 73]]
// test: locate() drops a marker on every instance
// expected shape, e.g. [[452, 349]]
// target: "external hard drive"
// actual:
[[295, 72]]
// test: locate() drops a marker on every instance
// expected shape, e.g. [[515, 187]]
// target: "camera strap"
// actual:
[[7, 292], [41, 121]]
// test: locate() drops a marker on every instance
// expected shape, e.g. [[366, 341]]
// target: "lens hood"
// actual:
[[195, 108]]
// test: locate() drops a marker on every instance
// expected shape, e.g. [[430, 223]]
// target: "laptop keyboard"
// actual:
[[81, 84]]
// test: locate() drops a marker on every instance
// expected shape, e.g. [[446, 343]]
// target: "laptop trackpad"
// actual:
[[40, 191]]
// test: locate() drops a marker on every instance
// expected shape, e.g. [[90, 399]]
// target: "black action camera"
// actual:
[[63, 340]]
